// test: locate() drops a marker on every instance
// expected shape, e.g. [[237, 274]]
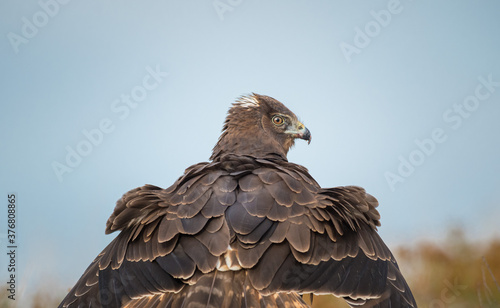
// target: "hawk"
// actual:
[[247, 229]]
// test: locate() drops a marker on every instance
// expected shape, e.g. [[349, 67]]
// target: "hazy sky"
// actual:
[[401, 97]]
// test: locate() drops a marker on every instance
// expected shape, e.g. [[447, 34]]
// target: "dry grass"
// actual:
[[455, 273]]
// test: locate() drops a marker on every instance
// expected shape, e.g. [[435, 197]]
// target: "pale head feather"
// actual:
[[247, 101]]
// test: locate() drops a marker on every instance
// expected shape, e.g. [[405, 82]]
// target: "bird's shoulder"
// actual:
[[222, 178], [266, 187]]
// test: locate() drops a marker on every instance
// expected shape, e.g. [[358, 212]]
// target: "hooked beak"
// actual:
[[300, 131]]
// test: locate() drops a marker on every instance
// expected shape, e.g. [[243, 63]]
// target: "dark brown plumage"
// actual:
[[248, 229]]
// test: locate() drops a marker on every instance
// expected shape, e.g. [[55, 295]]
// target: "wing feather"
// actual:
[[266, 217]]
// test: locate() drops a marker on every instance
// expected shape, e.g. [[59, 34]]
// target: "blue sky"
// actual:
[[401, 97]]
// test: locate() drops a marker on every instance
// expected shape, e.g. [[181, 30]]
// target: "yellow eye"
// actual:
[[278, 120]]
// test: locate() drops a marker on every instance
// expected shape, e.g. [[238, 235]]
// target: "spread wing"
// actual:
[[244, 233]]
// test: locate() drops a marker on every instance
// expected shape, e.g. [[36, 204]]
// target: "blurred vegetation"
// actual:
[[453, 273]]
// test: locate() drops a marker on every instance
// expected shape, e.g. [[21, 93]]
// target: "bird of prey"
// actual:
[[247, 229]]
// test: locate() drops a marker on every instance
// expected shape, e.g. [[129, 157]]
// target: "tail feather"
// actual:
[[219, 290]]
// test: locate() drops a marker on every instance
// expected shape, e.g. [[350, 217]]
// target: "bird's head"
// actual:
[[259, 126]]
